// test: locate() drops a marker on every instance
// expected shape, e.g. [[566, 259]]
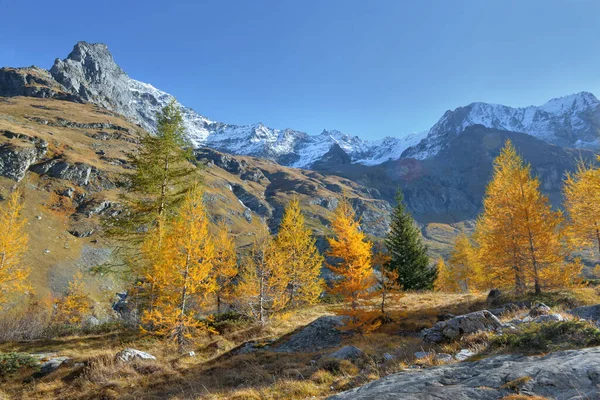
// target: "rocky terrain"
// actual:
[[573, 374]]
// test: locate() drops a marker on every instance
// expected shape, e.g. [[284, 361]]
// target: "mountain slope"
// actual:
[[569, 121]]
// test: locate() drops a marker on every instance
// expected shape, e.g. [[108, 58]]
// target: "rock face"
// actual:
[[347, 353], [573, 374], [320, 334], [32, 82], [461, 325], [589, 313]]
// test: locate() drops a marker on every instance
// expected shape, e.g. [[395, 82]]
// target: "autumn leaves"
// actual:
[[519, 241]]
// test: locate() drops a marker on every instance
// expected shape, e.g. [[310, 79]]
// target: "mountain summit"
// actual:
[[90, 74]]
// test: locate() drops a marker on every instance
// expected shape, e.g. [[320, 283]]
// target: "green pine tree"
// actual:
[[407, 253], [162, 173]]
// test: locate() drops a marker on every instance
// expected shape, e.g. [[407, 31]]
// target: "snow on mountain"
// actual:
[[90, 71], [569, 121]]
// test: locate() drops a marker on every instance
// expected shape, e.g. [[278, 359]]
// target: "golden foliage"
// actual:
[[300, 257], [582, 202], [181, 272], [225, 266], [445, 281], [13, 246], [387, 280], [519, 236], [261, 291], [75, 305], [462, 272], [352, 254]]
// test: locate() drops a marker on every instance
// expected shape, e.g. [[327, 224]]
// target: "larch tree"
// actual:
[[387, 279], [408, 254], [13, 246], [183, 273], [300, 257], [445, 281], [518, 233], [463, 264], [582, 203], [225, 264], [262, 287], [350, 252], [74, 305]]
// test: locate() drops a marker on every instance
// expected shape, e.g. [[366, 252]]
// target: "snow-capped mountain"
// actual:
[[91, 72], [569, 121]]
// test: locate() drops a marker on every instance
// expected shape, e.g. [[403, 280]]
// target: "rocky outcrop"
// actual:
[[589, 313], [18, 154], [322, 333], [130, 354], [462, 325], [32, 82], [78, 173], [347, 353], [573, 374]]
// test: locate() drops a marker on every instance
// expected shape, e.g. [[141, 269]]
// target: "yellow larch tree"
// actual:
[[518, 233], [387, 279], [225, 264], [463, 264], [300, 257], [352, 264], [262, 288], [182, 274], [74, 305], [13, 246], [445, 281], [582, 203]]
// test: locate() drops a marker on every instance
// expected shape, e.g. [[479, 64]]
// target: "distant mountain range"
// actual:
[[90, 74]]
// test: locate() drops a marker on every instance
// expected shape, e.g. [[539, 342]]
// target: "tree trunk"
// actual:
[[182, 305], [261, 299], [163, 188]]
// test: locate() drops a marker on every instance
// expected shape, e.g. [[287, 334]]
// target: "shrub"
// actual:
[[550, 337], [13, 362]]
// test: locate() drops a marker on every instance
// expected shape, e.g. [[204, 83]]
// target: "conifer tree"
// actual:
[[518, 233], [351, 254], [408, 254], [387, 279], [75, 305], [13, 246], [261, 290], [300, 257], [162, 174], [582, 204], [445, 281], [225, 267], [183, 272], [463, 264]]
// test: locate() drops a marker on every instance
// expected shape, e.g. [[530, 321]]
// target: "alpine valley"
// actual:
[[66, 131]]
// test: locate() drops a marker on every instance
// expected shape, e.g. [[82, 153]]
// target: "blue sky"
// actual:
[[372, 68]]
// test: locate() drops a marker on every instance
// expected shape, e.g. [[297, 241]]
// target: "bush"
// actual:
[[13, 362], [550, 337], [228, 322]]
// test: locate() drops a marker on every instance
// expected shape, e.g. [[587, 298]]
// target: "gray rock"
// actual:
[[388, 357], [540, 309], [464, 354], [461, 325], [16, 160], [549, 318], [52, 365], [589, 313], [130, 354], [32, 82], [347, 353], [443, 357], [573, 374], [421, 354], [320, 334]]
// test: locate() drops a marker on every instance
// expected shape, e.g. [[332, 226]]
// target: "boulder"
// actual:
[[494, 296], [130, 354], [589, 313], [461, 325], [15, 160], [539, 309], [52, 365], [573, 374], [347, 353], [320, 334], [464, 354]]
